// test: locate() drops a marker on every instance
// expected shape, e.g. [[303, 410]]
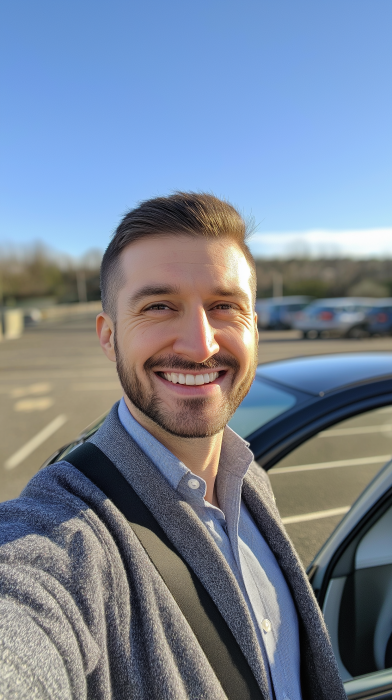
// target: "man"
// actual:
[[84, 611]]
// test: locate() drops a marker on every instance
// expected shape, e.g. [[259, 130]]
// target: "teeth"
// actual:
[[190, 379]]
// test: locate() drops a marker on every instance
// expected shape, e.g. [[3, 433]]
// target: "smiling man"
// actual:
[[163, 571], [184, 337]]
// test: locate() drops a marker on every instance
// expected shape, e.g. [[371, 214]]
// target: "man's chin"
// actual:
[[186, 417], [192, 432], [185, 424]]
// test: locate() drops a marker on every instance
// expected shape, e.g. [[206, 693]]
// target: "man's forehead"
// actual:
[[171, 254], [175, 264]]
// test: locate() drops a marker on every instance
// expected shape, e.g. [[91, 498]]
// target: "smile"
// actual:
[[190, 379]]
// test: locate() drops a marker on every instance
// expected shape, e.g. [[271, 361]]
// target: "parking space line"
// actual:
[[315, 516], [35, 442], [97, 386], [380, 459]]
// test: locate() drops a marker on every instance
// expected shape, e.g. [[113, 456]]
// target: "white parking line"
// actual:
[[315, 516], [96, 386], [380, 459], [35, 442], [41, 388]]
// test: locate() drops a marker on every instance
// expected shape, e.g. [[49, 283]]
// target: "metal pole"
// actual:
[[277, 284], [82, 288]]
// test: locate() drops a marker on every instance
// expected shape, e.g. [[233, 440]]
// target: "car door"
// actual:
[[352, 578], [334, 491]]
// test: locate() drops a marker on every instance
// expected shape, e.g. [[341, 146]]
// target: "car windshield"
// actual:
[[296, 307], [263, 403], [337, 309]]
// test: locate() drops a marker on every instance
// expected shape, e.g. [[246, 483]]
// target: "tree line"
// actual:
[[323, 278], [37, 273]]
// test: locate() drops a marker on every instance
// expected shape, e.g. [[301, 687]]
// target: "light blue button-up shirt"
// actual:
[[244, 548]]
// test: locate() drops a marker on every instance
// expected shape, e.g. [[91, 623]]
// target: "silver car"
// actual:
[[334, 317]]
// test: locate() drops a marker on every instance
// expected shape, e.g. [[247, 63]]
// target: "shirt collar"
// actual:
[[234, 461]]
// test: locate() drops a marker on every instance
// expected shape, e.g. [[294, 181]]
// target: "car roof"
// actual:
[[325, 373], [382, 302], [342, 301]]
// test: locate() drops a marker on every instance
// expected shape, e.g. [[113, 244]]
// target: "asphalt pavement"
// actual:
[[55, 380]]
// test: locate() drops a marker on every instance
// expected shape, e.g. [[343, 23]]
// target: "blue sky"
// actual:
[[281, 106]]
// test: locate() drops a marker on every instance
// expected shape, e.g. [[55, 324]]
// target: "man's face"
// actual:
[[185, 332]]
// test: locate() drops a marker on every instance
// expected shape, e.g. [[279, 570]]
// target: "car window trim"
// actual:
[[326, 419]]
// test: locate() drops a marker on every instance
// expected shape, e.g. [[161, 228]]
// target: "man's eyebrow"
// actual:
[[152, 290], [156, 290], [237, 292]]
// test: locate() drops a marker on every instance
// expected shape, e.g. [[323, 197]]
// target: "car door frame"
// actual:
[[313, 413]]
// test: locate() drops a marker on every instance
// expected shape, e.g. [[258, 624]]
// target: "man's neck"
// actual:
[[200, 455]]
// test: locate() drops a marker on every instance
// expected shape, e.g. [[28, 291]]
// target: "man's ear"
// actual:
[[105, 333]]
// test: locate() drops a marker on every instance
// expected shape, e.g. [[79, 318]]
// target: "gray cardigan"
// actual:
[[84, 613]]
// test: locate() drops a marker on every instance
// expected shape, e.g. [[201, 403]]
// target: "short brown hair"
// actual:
[[182, 213]]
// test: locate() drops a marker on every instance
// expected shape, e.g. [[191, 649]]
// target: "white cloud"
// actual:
[[361, 243]]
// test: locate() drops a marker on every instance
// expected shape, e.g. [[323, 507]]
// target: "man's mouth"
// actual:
[[190, 379]]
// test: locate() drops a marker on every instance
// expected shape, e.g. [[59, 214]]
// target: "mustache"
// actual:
[[174, 362]]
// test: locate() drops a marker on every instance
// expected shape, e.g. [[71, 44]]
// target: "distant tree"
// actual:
[[37, 271]]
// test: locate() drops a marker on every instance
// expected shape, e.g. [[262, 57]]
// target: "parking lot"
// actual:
[[55, 380]]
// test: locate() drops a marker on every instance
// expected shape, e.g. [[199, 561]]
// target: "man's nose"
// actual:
[[196, 338]]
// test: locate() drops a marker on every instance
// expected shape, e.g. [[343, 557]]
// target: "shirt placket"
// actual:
[[231, 493]]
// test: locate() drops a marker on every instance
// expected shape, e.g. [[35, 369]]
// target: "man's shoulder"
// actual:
[[57, 501]]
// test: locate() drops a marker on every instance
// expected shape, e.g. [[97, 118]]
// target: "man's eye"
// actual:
[[224, 307], [157, 307]]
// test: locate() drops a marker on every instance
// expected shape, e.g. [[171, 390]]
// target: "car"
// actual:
[[322, 427], [277, 313], [378, 320], [333, 318]]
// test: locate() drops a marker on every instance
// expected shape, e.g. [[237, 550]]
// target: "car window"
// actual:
[[365, 636], [296, 307], [263, 403], [316, 484], [361, 308]]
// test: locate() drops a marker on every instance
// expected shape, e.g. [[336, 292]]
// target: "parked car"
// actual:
[[378, 320], [334, 317], [322, 426], [277, 313]]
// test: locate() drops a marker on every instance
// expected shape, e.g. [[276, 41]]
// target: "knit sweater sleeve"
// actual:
[[31, 666], [53, 564]]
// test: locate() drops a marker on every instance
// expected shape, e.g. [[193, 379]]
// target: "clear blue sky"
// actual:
[[282, 106]]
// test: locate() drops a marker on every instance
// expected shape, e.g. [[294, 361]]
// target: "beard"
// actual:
[[196, 417]]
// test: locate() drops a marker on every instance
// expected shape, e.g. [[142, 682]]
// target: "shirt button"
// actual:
[[193, 484], [266, 625]]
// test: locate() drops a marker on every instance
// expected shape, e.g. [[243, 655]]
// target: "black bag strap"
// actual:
[[197, 606]]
